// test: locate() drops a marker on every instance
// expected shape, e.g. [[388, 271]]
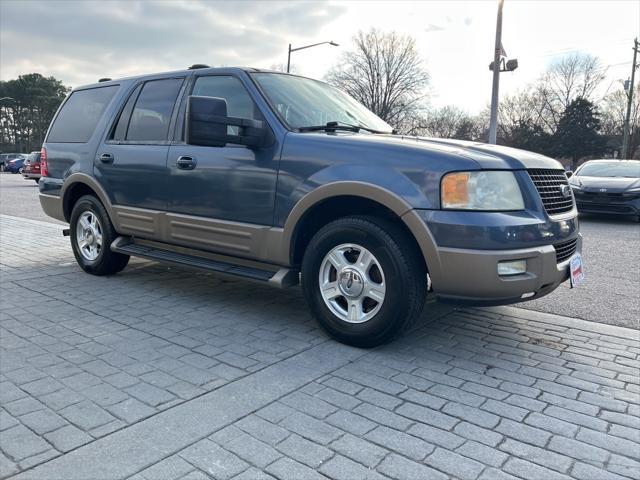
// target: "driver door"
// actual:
[[215, 185]]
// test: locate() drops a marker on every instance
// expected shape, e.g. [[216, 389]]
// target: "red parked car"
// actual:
[[31, 167]]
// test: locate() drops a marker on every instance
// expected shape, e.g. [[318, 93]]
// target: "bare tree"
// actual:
[[385, 73], [614, 111], [282, 67], [450, 122], [574, 76]]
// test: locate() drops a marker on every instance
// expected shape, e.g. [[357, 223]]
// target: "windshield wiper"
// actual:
[[329, 126], [336, 125]]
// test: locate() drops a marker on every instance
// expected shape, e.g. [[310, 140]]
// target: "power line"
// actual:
[[564, 51]]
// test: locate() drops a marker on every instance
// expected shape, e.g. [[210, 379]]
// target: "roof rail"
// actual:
[[105, 79], [195, 66]]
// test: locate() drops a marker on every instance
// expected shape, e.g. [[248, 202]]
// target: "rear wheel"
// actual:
[[364, 280], [91, 235]]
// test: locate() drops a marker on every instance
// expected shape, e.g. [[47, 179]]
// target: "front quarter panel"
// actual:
[[312, 160]]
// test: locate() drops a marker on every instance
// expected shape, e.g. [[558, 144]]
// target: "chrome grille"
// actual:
[[549, 184], [565, 250]]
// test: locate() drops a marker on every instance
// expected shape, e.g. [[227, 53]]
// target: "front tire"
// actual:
[[364, 280], [91, 235]]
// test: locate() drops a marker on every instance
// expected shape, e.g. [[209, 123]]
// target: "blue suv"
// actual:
[[283, 179]]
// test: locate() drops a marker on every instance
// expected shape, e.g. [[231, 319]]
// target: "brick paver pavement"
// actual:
[[161, 372]]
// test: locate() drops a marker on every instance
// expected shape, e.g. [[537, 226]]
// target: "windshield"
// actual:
[[610, 169], [33, 157], [302, 102]]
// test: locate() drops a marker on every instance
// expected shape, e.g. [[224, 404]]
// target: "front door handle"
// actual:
[[186, 163], [106, 158]]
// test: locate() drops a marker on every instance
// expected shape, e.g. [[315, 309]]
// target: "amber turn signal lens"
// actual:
[[455, 191]]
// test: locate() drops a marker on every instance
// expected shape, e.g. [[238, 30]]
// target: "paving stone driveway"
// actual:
[[166, 373]]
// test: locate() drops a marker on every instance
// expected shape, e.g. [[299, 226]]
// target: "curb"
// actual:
[[33, 222], [575, 323]]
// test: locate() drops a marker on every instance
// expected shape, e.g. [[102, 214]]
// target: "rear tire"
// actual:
[[364, 280], [91, 234]]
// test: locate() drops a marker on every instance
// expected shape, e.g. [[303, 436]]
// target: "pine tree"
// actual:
[[578, 130]]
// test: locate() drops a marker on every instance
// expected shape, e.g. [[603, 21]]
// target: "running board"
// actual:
[[282, 278]]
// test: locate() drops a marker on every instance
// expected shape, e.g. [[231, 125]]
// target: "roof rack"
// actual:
[[105, 79], [195, 66]]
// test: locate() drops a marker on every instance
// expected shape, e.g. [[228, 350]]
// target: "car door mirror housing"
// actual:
[[207, 125]]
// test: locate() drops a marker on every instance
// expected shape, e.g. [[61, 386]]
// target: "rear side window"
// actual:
[[80, 114], [152, 112], [120, 130]]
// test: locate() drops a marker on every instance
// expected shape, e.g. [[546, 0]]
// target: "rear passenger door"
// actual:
[[131, 161]]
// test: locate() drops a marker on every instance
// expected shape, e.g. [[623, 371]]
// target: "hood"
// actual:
[[483, 155], [493, 156], [611, 184]]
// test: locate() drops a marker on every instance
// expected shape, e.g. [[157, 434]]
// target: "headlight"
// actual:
[[490, 190]]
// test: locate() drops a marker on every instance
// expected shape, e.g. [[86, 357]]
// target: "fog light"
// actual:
[[512, 267]]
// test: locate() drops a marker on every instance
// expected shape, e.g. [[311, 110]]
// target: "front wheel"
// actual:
[[91, 235], [364, 280]]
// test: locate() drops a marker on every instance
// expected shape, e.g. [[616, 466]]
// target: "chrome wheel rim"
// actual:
[[352, 283], [89, 235]]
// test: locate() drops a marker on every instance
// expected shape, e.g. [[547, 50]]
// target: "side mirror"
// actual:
[[207, 125], [569, 173]]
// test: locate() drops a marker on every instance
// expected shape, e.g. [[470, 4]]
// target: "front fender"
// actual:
[[397, 189]]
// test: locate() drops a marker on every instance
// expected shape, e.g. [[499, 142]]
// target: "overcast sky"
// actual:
[[81, 41]]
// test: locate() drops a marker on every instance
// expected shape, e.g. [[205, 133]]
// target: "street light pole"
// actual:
[[331, 42], [625, 140], [493, 123]]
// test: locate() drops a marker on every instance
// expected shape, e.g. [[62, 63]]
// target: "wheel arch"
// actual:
[[327, 203], [78, 185]]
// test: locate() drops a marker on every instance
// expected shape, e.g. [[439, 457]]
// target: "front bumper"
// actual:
[[467, 247], [609, 203], [472, 275]]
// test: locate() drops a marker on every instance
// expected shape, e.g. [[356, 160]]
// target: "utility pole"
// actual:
[[493, 123], [625, 140]]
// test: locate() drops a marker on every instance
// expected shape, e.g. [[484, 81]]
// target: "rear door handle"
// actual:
[[106, 158], [186, 163]]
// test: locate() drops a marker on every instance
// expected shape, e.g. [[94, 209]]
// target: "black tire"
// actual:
[[37, 180], [106, 262], [404, 273]]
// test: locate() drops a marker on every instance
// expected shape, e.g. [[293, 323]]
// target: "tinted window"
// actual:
[[152, 113], [80, 114], [120, 131]]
